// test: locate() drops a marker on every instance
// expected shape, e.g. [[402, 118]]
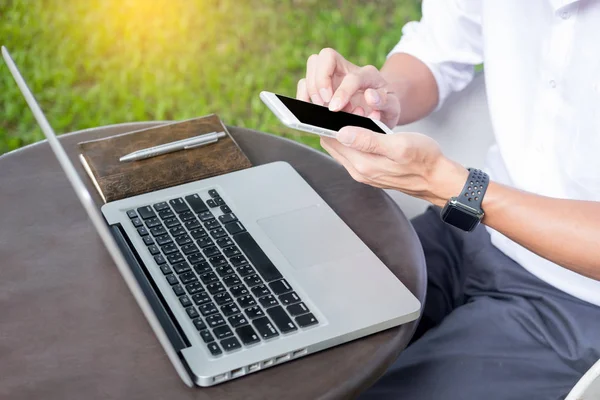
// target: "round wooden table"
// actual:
[[70, 329]]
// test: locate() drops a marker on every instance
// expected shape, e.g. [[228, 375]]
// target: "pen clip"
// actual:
[[191, 146]]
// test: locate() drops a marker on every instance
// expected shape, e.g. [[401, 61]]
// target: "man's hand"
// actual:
[[334, 81], [409, 162]]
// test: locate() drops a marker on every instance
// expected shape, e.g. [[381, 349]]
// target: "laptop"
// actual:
[[241, 272]]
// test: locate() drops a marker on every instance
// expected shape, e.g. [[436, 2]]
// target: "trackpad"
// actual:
[[311, 236]]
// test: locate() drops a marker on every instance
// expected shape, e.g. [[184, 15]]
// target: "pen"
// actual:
[[183, 144]]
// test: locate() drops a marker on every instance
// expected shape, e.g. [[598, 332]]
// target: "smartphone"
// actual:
[[309, 117]]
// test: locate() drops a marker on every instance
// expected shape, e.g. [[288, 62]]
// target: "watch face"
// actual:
[[459, 218]]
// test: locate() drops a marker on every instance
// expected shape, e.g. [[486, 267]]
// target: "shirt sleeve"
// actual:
[[448, 39]]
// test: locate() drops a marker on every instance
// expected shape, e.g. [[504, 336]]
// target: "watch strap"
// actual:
[[474, 189]]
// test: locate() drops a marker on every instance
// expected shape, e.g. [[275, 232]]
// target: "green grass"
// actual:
[[99, 62]]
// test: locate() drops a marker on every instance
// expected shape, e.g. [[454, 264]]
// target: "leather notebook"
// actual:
[[116, 180]]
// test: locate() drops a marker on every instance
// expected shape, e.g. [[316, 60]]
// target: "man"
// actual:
[[513, 307]]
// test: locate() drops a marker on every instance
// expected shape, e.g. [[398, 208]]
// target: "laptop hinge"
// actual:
[[157, 302]]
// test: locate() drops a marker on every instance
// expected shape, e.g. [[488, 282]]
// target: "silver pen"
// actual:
[[183, 144]]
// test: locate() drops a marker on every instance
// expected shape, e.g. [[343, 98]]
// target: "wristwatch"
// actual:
[[464, 211]]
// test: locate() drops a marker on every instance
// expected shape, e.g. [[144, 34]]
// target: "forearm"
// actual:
[[415, 85], [566, 232]]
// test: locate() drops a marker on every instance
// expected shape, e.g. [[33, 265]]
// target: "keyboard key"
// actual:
[[171, 222], [176, 231], [247, 335], [231, 280], [202, 268], [265, 328], [280, 287], [225, 209], [245, 270], [215, 320], [268, 301], [257, 257], [187, 216], [219, 201], [183, 240], [254, 312], [230, 344], [213, 193], [191, 312], [215, 288], [281, 319], [211, 203], [208, 309], [131, 214], [166, 214], [137, 222], [198, 233], [217, 261], [159, 259], [238, 260], [168, 249], [142, 231], [181, 267], [204, 242], [199, 324], [192, 224], [148, 240], [165, 269], [260, 291], [152, 222], [185, 301], [224, 242], [223, 298], [154, 250], [231, 251], [146, 212], [189, 249], [297, 309], [206, 336], [224, 270], [289, 298], [306, 320], [235, 227], [195, 258], [179, 205], [230, 309], [212, 224], [214, 349], [227, 218], [172, 279], [164, 239], [175, 258], [222, 332], [205, 216], [218, 233], [200, 299], [209, 277], [239, 290], [246, 301], [161, 206], [178, 290], [211, 251], [158, 231], [252, 280], [237, 320], [188, 277], [196, 203], [193, 288]]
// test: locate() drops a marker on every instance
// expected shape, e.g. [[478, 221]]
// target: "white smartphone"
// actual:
[[309, 117]]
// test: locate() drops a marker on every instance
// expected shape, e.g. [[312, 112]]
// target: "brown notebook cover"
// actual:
[[116, 180]]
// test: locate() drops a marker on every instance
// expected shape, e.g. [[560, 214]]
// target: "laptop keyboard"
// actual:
[[232, 292]]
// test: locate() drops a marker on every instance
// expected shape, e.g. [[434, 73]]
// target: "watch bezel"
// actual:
[[454, 204]]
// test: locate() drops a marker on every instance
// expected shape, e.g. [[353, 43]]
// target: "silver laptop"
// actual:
[[241, 272]]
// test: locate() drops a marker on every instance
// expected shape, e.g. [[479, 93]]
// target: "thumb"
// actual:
[[362, 140]]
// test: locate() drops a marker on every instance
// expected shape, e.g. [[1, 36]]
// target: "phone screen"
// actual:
[[320, 116]]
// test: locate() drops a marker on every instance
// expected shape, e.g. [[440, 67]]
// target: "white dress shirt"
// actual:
[[542, 73]]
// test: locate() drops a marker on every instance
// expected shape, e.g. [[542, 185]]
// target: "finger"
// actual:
[[359, 111], [375, 115], [311, 87], [380, 100], [330, 147], [329, 63], [361, 79], [364, 140], [301, 92]]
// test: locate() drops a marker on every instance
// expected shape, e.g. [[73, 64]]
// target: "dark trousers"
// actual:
[[490, 329]]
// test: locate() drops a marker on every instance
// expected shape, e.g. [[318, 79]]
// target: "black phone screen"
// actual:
[[320, 116]]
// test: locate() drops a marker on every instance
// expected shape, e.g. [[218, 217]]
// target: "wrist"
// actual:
[[446, 181]]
